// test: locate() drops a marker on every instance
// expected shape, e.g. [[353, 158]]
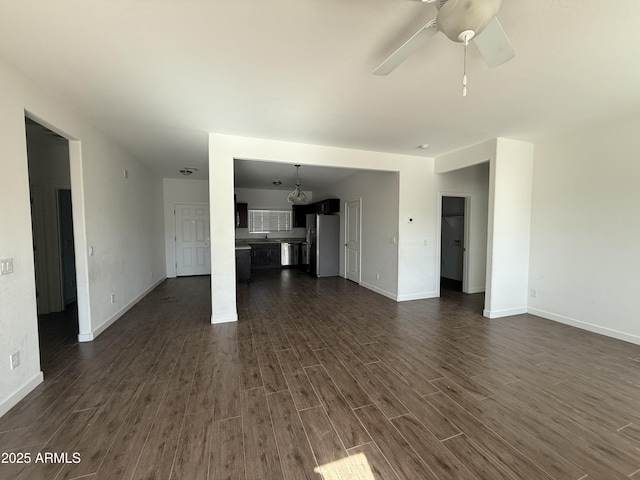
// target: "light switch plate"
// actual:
[[14, 359], [6, 266]]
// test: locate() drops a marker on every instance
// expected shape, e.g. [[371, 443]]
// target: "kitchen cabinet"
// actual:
[[243, 264], [265, 255], [330, 205], [242, 215], [300, 213]]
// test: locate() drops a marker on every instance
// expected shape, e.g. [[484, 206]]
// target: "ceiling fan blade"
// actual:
[[494, 44], [417, 41]]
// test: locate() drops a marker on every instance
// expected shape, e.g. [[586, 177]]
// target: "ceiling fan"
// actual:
[[461, 21]]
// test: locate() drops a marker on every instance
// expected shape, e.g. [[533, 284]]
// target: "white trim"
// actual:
[[224, 318], [379, 290], [476, 290], [85, 337], [627, 337], [88, 337], [81, 244], [504, 313], [22, 392], [418, 296]]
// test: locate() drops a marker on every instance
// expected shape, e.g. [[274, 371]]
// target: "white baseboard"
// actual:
[[590, 327], [85, 337], [417, 296], [88, 337], [380, 291], [224, 318], [508, 312], [8, 403], [476, 290]]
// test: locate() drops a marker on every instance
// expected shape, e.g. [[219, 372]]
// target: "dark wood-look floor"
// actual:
[[322, 379]]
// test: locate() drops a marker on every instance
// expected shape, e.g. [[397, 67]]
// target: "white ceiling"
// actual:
[[252, 174], [157, 76]]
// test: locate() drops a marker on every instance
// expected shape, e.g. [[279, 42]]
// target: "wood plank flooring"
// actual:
[[321, 379]]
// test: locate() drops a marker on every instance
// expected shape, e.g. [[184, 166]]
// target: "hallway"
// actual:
[[323, 379]]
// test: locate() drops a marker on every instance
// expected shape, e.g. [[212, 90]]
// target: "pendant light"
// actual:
[[297, 196]]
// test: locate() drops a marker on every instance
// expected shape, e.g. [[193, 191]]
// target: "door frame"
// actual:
[[465, 249], [85, 332], [346, 226]]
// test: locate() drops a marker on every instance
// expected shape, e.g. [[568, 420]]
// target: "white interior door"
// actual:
[[352, 240], [193, 255]]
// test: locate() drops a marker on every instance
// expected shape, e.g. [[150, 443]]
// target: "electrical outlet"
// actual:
[[14, 358], [534, 293], [150, 274], [377, 276], [6, 266], [113, 298]]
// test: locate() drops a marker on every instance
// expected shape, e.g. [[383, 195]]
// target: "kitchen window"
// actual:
[[267, 221]]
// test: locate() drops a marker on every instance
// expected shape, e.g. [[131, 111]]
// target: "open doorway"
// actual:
[[452, 244], [53, 241]]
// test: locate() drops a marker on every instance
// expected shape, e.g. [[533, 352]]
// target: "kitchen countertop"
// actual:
[[262, 241]]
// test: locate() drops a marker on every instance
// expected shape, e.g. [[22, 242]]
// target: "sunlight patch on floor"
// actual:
[[355, 467]]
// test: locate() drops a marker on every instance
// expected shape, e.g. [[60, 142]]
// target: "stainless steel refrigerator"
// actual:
[[323, 240]]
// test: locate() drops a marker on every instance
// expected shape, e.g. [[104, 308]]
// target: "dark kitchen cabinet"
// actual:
[[266, 255], [300, 213], [330, 205], [243, 264], [242, 215]]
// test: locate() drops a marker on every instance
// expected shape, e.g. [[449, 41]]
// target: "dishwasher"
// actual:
[[289, 253]]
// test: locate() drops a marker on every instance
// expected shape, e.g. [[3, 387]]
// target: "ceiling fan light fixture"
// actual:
[[297, 196], [455, 17]]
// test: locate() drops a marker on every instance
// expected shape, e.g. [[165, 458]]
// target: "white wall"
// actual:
[[120, 218], [179, 190], [379, 218], [260, 198], [585, 230]]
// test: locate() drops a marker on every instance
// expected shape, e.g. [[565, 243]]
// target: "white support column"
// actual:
[[510, 189], [223, 266]]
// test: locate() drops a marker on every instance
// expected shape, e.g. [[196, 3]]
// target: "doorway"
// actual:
[[453, 234], [67, 248], [49, 169]]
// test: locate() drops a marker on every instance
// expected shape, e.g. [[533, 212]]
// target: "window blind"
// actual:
[[265, 221]]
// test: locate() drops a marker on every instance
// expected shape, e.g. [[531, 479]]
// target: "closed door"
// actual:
[[193, 254], [352, 241]]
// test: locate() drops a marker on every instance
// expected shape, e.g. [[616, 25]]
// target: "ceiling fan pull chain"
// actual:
[[464, 69]]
